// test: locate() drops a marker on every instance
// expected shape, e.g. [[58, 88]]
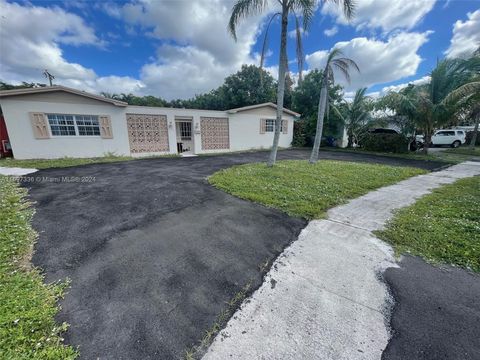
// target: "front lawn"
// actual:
[[67, 161], [27, 305], [448, 155], [302, 189], [442, 227], [465, 150]]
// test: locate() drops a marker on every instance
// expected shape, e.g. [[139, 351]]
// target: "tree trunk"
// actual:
[[426, 141], [282, 69], [473, 140], [322, 106]]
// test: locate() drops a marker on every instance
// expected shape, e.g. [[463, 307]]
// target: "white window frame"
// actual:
[[273, 126], [75, 125]]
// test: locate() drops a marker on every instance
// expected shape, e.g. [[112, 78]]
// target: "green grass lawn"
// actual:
[[301, 189], [66, 161], [465, 150], [442, 227], [27, 305], [448, 156]]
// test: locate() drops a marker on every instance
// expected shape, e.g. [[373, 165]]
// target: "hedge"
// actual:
[[395, 143], [469, 136]]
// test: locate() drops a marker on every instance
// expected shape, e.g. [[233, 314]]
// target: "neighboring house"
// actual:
[[56, 121]]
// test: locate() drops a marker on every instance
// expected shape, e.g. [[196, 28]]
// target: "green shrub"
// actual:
[[395, 143], [469, 136], [299, 133]]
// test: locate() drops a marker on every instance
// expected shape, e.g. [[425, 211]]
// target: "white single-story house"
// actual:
[[56, 121]]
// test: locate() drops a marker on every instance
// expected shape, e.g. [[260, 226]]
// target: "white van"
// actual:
[[451, 137]]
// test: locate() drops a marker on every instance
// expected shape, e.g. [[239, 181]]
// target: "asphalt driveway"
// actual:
[[154, 252]]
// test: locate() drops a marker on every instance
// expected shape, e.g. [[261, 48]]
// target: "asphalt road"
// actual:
[[436, 314], [153, 252]]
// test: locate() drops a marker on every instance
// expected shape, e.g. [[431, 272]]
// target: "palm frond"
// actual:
[[343, 68], [349, 62], [463, 91], [265, 39], [306, 8], [242, 9], [348, 7], [337, 112]]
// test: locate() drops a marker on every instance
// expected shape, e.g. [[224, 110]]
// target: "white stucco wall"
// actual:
[[244, 127], [25, 146], [245, 130]]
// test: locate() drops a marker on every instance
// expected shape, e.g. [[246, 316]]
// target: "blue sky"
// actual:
[[175, 49]]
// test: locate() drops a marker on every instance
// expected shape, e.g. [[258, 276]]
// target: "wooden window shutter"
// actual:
[[105, 127], [263, 125], [285, 126], [39, 125]]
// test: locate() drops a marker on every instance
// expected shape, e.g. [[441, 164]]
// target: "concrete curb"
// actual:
[[324, 297], [14, 171]]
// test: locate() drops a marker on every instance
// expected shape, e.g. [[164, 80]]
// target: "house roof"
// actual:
[[47, 89], [268, 104]]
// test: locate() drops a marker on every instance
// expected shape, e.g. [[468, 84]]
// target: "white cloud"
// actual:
[[200, 53], [30, 44], [466, 36], [385, 14], [379, 61], [396, 88], [293, 33], [330, 32]]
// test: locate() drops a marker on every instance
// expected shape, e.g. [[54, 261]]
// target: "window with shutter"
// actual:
[[262, 126], [39, 126], [284, 126], [105, 127]]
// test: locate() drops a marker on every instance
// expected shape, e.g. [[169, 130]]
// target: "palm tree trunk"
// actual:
[[282, 69], [473, 140], [426, 141], [322, 106]]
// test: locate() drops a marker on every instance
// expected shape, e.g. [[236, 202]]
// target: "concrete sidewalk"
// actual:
[[324, 297]]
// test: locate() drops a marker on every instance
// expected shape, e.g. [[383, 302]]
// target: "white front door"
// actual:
[[184, 136]]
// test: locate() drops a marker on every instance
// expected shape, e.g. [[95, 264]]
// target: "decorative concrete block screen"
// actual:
[[147, 133], [215, 133]]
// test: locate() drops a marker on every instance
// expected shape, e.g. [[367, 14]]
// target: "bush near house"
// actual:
[[299, 133], [469, 136], [395, 143], [27, 305]]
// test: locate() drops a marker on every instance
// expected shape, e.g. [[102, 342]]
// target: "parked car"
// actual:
[[452, 137]]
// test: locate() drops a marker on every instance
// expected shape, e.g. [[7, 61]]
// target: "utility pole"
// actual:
[[49, 76]]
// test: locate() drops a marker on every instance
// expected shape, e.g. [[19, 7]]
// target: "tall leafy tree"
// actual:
[[305, 101], [343, 65], [306, 8], [23, 85], [249, 86]]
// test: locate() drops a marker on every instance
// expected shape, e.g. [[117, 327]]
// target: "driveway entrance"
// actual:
[[154, 252]]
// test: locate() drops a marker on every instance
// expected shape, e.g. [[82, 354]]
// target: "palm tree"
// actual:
[[357, 116], [343, 64], [453, 84], [245, 8]]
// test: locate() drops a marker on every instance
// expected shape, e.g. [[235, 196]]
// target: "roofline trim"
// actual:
[[270, 104], [46, 89]]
